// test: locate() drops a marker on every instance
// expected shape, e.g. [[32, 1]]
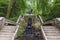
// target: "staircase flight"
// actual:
[[8, 29], [51, 32]]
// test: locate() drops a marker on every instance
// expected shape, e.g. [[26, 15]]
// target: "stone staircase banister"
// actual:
[[15, 34], [53, 21], [9, 22], [41, 20], [2, 22], [28, 14], [57, 22], [44, 35], [18, 20]]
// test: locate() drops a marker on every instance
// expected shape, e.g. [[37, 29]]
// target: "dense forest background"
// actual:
[[48, 9]]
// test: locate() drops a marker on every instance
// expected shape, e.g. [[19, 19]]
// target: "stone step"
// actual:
[[3, 38], [9, 28], [53, 37], [54, 34], [49, 26], [53, 28], [12, 31], [6, 33], [50, 31]]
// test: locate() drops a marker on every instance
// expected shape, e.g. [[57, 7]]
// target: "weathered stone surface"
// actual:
[[1, 22]]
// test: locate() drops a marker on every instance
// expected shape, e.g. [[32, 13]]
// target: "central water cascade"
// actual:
[[30, 32]]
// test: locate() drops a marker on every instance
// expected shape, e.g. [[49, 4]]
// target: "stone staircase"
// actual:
[[8, 29], [51, 33], [7, 32]]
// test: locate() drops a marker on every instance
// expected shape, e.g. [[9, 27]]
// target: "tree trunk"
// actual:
[[9, 9]]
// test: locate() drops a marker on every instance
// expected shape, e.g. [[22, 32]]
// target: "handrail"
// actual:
[[41, 19], [2, 21], [42, 28], [57, 22], [43, 33], [58, 19], [18, 22], [28, 14], [13, 37], [53, 21], [9, 22]]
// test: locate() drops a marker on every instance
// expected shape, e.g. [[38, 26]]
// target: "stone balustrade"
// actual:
[[2, 22], [57, 22]]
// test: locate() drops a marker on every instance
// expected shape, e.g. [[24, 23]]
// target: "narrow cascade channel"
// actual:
[[30, 33]]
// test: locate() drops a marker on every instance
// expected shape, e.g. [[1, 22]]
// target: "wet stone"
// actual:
[[30, 33]]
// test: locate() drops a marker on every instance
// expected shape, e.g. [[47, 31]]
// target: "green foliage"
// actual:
[[48, 9], [55, 11], [20, 31], [3, 7], [18, 8]]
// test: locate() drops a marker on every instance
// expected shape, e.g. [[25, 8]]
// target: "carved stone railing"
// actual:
[[44, 35], [57, 22], [54, 22], [18, 23], [2, 22], [41, 20], [7, 22]]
